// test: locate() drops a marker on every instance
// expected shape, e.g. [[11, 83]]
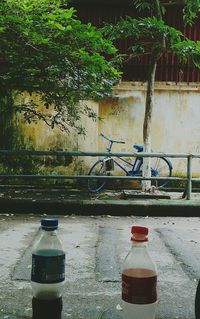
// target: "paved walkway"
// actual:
[[95, 248], [65, 200]]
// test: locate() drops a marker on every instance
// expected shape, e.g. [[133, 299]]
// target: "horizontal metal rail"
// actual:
[[188, 179], [93, 154], [91, 177]]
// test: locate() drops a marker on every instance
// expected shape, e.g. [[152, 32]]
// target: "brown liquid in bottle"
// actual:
[[139, 272], [139, 286]]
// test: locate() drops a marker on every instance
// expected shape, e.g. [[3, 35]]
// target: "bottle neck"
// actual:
[[49, 231], [139, 244]]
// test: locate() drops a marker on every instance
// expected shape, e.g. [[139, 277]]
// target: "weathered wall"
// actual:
[[175, 127], [41, 137]]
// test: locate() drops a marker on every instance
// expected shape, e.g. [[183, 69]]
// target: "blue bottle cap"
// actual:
[[49, 223]]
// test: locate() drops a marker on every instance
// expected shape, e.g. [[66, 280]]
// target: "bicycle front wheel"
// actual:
[[161, 167], [95, 184]]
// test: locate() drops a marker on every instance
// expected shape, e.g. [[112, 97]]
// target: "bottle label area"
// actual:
[[139, 290], [48, 269]]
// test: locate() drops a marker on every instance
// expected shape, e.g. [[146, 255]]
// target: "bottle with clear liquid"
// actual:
[[48, 262], [139, 279]]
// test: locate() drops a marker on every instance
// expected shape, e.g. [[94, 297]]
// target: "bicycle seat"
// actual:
[[138, 147]]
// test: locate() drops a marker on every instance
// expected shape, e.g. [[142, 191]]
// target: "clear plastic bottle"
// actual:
[[139, 279], [48, 262]]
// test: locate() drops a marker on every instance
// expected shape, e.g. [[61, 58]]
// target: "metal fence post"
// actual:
[[189, 177]]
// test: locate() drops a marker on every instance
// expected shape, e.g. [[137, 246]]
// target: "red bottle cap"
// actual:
[[140, 233]]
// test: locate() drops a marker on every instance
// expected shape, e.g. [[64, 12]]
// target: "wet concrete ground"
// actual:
[[95, 248]]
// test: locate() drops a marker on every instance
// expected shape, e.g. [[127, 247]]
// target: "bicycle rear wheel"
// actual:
[[95, 184], [161, 167]]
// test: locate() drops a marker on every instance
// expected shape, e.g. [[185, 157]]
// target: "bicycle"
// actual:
[[161, 167]]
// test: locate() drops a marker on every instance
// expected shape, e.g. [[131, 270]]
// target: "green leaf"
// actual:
[[51, 54]]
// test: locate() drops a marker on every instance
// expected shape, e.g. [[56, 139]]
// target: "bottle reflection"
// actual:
[[47, 309]]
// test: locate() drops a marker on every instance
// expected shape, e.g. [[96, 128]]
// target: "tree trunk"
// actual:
[[149, 104], [9, 135], [148, 121], [158, 12]]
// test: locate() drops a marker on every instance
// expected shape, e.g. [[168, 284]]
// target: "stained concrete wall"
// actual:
[[175, 119], [39, 136], [175, 125]]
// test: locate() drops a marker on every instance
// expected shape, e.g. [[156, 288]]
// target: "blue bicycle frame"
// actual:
[[106, 166], [136, 166]]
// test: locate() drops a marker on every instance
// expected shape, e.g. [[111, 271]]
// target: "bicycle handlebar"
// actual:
[[110, 140]]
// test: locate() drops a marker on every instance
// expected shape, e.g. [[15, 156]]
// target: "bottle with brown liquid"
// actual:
[[139, 279]]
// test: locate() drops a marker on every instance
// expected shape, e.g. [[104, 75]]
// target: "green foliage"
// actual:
[[143, 5], [191, 11], [48, 51], [154, 6], [188, 48], [152, 36], [147, 35], [138, 29]]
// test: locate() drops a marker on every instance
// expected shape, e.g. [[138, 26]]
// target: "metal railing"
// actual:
[[188, 179]]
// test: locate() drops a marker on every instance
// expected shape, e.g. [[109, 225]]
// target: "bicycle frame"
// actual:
[[106, 164], [135, 166]]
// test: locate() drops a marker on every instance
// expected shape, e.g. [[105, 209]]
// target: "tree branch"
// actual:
[[158, 12]]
